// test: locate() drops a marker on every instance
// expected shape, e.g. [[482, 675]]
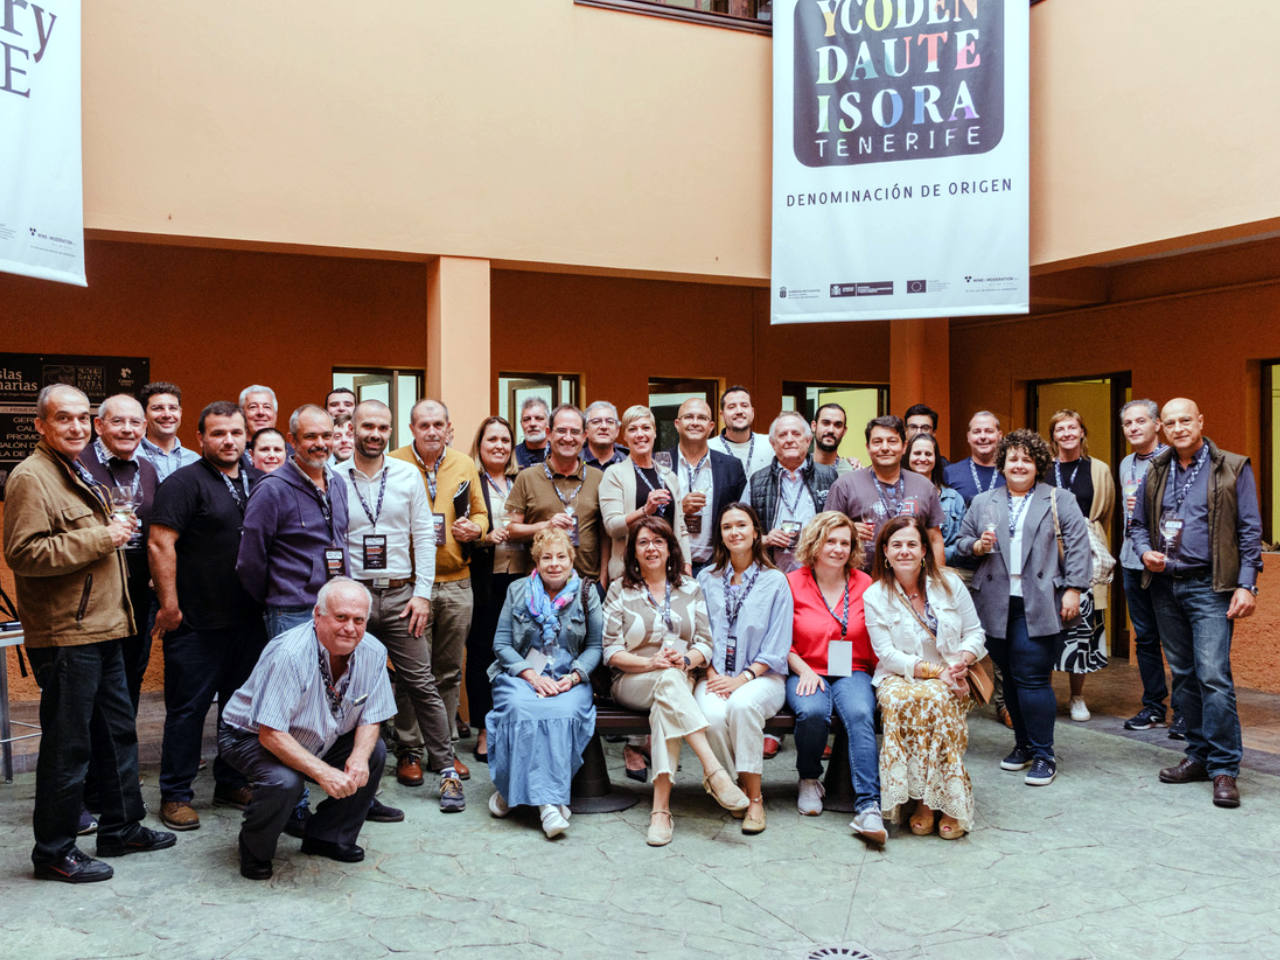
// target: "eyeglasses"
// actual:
[[601, 421], [650, 542]]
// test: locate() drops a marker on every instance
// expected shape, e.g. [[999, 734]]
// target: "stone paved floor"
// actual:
[[1107, 862]]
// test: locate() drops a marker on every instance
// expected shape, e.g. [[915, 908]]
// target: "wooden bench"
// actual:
[[593, 791]]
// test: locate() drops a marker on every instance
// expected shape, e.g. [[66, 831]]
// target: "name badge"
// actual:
[[573, 533], [375, 551], [333, 565], [840, 658], [437, 522]]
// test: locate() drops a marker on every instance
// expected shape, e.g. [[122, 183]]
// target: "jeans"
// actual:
[[854, 700], [84, 712], [1027, 663], [1146, 642], [198, 664], [1196, 635], [280, 619], [276, 789]]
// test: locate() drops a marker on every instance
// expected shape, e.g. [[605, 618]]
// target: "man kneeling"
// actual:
[[311, 710]]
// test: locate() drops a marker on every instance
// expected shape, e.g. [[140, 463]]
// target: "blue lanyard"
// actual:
[[382, 489], [1014, 516], [1180, 492], [1057, 474], [973, 472], [891, 507], [666, 605], [733, 601]]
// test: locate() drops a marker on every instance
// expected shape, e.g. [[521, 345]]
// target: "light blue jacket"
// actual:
[[517, 631]]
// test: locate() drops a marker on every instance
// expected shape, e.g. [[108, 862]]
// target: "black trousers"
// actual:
[[277, 787], [85, 714]]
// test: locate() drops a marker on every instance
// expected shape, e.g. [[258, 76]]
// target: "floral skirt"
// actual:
[[1083, 645], [922, 756]]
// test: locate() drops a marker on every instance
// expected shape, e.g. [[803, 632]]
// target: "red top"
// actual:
[[814, 626]]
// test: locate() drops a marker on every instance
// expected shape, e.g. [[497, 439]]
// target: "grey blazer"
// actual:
[[1044, 578]]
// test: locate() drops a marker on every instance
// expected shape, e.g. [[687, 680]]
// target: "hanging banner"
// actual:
[[41, 201], [900, 159]]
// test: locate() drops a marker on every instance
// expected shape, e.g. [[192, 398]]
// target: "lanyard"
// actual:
[[432, 473], [582, 479], [382, 489], [733, 601], [1071, 480], [666, 605], [973, 472], [493, 484], [1180, 492], [693, 473], [790, 507], [241, 496], [751, 449], [640, 474], [322, 499], [843, 619], [929, 620], [1135, 477], [1015, 514], [96, 487], [891, 507], [333, 692]]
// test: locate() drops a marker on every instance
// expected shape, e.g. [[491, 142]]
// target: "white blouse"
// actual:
[[900, 641]]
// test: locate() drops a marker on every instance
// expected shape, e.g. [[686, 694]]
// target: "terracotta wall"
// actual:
[[616, 333]]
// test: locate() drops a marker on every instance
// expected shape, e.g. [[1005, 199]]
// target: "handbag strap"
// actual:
[[1057, 524]]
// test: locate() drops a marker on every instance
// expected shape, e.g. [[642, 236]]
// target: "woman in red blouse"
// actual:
[[831, 664]]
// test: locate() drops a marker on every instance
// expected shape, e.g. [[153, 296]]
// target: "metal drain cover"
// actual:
[[840, 953]]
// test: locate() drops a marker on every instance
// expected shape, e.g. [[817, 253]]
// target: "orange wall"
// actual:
[[617, 333]]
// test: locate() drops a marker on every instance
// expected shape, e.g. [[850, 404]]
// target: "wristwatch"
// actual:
[[687, 663], [1252, 588]]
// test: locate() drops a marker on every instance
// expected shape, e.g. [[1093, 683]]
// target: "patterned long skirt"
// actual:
[[1083, 645], [922, 757]]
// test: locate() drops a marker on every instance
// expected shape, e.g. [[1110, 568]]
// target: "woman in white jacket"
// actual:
[[925, 633]]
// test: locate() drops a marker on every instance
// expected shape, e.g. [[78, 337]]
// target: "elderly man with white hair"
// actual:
[[311, 710], [791, 490]]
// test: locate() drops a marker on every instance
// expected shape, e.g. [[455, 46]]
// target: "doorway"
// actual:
[[1098, 400]]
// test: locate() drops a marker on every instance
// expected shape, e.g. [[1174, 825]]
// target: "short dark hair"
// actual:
[[631, 575], [831, 406], [339, 390], [736, 388], [570, 407], [936, 474], [922, 410], [1031, 443], [887, 422], [262, 432], [219, 408], [720, 553], [157, 387]]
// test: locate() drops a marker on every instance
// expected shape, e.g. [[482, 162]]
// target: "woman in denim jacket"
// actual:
[[546, 645]]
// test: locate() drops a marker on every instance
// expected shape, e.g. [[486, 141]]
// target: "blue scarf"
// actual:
[[547, 611]]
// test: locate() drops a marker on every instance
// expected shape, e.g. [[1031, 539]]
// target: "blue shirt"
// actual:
[[166, 463], [959, 477], [286, 691], [763, 629], [1133, 469]]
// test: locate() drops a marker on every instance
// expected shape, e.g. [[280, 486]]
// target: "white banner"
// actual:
[[900, 159], [41, 200]]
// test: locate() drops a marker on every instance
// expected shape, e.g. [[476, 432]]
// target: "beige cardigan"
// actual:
[[618, 498], [1104, 502]]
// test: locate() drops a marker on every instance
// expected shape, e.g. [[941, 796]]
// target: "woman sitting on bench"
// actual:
[[546, 644], [831, 663], [925, 632], [749, 603], [655, 633]]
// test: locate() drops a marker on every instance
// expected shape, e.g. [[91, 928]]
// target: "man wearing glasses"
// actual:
[[602, 450]]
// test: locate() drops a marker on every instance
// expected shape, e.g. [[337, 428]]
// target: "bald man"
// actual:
[[1197, 528]]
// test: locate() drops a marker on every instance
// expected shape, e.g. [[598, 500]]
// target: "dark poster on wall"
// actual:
[[22, 375]]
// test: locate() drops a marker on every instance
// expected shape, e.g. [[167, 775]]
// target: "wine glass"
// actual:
[[663, 459], [125, 499], [990, 522], [1170, 527]]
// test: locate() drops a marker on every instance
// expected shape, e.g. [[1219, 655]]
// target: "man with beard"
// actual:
[[193, 544], [872, 497], [295, 527], [791, 490], [392, 544], [711, 479], [829, 425], [977, 472], [533, 422], [736, 439]]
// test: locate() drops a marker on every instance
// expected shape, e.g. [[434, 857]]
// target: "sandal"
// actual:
[[724, 791], [950, 829], [922, 825], [659, 833]]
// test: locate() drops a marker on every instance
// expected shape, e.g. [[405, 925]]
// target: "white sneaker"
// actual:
[[565, 811], [1079, 712], [498, 805], [869, 825], [553, 824], [809, 800]]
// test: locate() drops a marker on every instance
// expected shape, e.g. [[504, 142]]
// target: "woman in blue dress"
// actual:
[[546, 645]]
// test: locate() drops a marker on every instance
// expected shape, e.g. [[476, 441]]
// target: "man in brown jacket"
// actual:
[[63, 545]]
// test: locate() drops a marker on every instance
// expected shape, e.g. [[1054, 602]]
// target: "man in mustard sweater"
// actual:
[[63, 543], [459, 517]]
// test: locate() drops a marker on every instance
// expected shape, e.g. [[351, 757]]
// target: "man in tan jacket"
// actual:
[[63, 545]]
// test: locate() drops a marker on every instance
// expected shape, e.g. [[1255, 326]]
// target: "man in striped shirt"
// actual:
[[311, 710]]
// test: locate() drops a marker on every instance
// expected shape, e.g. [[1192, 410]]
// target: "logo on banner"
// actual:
[[883, 80]]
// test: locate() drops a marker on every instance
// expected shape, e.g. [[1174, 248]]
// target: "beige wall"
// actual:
[[545, 132]]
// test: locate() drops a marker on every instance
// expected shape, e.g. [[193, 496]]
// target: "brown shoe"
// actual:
[[464, 772], [1188, 771], [409, 771], [1225, 791], [179, 816], [1005, 717]]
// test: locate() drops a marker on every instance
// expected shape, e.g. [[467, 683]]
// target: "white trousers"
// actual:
[[735, 726]]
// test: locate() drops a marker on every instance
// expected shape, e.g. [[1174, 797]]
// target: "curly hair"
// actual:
[[1030, 443], [631, 575], [815, 534], [550, 536]]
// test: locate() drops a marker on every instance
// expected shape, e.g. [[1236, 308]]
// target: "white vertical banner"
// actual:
[[900, 159], [41, 198]]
